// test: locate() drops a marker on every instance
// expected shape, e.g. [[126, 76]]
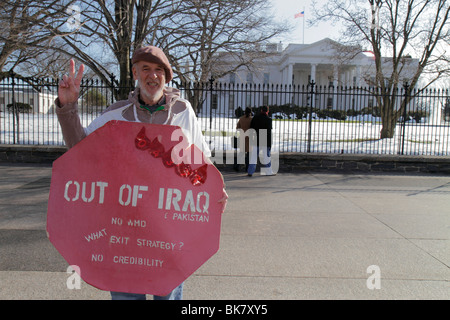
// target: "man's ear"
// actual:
[[133, 69]]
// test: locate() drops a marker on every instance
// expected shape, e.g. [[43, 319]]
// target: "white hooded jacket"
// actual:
[[176, 112]]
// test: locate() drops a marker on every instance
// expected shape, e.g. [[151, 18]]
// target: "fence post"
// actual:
[[112, 79], [211, 100], [312, 98], [15, 110], [406, 98]]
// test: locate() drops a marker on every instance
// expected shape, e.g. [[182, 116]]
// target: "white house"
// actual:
[[326, 62]]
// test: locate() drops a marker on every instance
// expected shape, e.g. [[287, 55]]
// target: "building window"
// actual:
[[233, 77], [266, 100], [249, 77], [266, 78], [447, 111], [231, 102], [330, 102], [248, 102], [214, 101]]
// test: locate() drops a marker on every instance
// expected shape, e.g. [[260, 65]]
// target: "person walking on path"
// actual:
[[244, 124], [262, 124]]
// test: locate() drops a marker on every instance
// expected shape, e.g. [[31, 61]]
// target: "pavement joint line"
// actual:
[[317, 277]]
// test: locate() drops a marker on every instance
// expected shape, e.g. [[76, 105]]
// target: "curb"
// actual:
[[288, 162]]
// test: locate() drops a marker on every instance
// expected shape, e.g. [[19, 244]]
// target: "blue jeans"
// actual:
[[176, 294], [266, 163]]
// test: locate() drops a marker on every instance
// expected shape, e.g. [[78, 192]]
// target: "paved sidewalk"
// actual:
[[289, 236]]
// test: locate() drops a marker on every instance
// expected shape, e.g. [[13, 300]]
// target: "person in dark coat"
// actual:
[[262, 124], [244, 124]]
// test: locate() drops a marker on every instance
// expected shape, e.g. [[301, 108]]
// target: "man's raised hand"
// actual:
[[69, 85]]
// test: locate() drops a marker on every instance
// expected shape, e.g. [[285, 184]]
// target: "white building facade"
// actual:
[[293, 68], [298, 64]]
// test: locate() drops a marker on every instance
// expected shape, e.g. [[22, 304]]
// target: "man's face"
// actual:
[[152, 79]]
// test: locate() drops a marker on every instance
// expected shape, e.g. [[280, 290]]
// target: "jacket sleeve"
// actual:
[[69, 120], [188, 122]]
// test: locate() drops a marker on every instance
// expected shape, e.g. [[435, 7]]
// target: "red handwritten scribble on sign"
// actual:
[[132, 218]]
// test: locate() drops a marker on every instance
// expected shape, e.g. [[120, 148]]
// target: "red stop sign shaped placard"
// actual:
[[132, 217]]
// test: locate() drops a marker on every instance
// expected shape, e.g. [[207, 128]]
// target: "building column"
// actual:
[[313, 72], [284, 79], [335, 84], [335, 75], [358, 76], [348, 78], [289, 74]]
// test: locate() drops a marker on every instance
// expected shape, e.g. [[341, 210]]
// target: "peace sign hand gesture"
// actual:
[[69, 85]]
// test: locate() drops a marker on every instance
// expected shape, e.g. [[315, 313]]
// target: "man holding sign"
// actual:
[[153, 103]]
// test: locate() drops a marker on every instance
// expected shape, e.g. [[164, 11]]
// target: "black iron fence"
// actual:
[[306, 118]]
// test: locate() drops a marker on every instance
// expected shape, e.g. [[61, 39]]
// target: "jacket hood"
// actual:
[[170, 94]]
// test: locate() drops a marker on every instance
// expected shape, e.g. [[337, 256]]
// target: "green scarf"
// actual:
[[153, 108]]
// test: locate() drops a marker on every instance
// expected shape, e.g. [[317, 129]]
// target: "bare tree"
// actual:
[[203, 29], [191, 32], [108, 32], [27, 29], [198, 35], [399, 30]]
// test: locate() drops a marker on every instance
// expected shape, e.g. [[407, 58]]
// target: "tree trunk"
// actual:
[[388, 127], [123, 15], [194, 95], [125, 82], [388, 117]]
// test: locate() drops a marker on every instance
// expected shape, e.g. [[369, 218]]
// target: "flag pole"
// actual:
[[303, 25], [302, 15]]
